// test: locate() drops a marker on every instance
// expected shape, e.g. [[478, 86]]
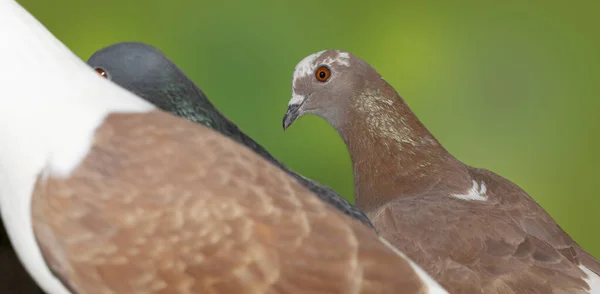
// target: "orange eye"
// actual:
[[101, 72], [323, 74]]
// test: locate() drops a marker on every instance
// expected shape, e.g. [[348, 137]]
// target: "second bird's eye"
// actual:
[[322, 74], [101, 72]]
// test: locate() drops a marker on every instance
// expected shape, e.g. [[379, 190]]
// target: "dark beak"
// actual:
[[291, 115]]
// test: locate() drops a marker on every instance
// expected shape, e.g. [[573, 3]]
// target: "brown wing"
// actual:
[[507, 244], [13, 276], [165, 206]]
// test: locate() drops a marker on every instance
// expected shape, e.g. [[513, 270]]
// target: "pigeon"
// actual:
[[147, 72], [471, 229], [102, 192], [13, 277]]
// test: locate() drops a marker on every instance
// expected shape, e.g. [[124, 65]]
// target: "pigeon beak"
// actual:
[[293, 109], [291, 115]]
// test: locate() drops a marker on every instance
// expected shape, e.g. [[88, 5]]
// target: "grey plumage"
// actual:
[[147, 72]]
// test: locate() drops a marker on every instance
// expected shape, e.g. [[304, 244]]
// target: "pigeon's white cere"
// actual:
[[475, 193], [51, 103], [593, 280], [432, 286], [296, 99]]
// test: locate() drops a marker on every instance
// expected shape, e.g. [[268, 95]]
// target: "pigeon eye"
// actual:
[[101, 72], [323, 74]]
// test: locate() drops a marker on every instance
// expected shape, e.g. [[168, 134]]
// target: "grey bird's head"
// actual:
[[137, 67], [147, 72], [323, 82]]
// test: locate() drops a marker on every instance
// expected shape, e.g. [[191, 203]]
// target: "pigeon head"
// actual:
[[324, 81], [143, 70], [148, 73], [131, 64]]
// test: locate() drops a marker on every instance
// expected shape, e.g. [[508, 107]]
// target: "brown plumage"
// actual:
[[162, 205], [471, 229]]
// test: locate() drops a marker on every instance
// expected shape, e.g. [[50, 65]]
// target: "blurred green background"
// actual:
[[511, 86]]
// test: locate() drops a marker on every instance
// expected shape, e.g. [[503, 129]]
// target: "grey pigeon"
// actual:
[[471, 229], [147, 72]]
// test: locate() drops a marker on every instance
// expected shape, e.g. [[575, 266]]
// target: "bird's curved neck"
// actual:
[[188, 101], [393, 154]]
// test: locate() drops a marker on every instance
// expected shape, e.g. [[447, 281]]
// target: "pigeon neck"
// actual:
[[393, 154], [183, 98], [188, 101]]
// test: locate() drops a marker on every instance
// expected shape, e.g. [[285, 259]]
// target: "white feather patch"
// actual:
[[475, 193], [593, 280], [305, 66], [344, 58], [432, 286]]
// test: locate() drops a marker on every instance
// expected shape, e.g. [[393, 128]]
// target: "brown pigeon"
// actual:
[[471, 229], [101, 192]]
